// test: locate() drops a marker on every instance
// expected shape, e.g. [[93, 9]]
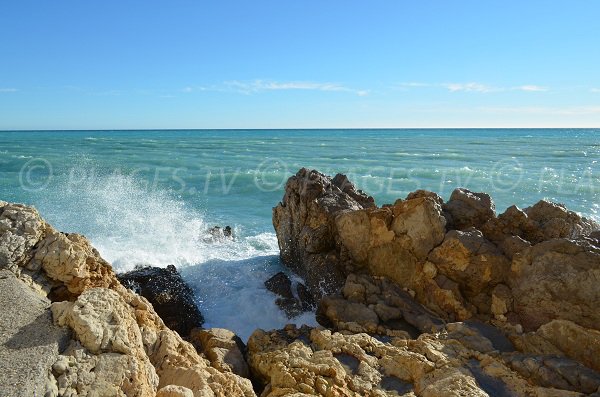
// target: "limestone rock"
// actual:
[[106, 327], [557, 279], [29, 342], [467, 258], [223, 348], [174, 391], [71, 260], [468, 209], [171, 297], [304, 222], [540, 222], [555, 371], [21, 227]]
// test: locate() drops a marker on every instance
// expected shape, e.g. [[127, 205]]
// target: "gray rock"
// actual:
[[29, 342]]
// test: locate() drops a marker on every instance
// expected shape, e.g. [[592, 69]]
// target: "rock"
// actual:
[[555, 221], [541, 222], [382, 308], [107, 329], [29, 342], [281, 285], [174, 391], [21, 228], [556, 279], [218, 233], [223, 348], [579, 343], [304, 221], [470, 260], [121, 346], [555, 372], [71, 260], [468, 209], [348, 315], [171, 297], [319, 362]]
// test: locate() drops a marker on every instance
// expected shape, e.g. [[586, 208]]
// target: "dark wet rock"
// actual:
[[218, 233], [280, 284], [293, 305], [170, 296]]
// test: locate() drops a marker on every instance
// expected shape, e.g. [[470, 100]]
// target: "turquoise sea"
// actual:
[[148, 197]]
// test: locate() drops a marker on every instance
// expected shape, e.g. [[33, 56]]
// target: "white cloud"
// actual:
[[565, 111], [266, 85], [8, 90], [475, 87], [531, 88], [470, 87]]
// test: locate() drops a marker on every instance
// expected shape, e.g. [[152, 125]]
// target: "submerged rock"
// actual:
[[171, 297], [292, 304]]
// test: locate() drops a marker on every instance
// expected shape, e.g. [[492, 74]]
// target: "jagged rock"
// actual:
[[556, 221], [376, 306], [122, 346], [348, 315], [540, 222], [107, 329], [304, 221], [467, 258], [308, 361], [557, 279], [223, 348], [468, 209], [281, 285], [171, 297], [73, 262], [563, 337], [21, 228]]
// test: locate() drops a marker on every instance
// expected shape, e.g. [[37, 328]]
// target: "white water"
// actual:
[[131, 225]]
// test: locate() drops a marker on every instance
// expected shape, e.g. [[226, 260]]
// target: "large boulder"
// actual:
[[171, 297], [467, 209], [557, 279], [304, 223]]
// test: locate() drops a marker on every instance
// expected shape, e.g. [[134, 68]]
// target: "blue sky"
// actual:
[[298, 64]]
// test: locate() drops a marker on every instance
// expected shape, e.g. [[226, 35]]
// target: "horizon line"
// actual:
[[291, 129]]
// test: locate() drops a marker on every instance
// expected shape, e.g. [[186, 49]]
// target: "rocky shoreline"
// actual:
[[419, 298]]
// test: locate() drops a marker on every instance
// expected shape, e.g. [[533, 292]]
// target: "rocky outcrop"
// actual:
[[418, 298], [119, 346], [170, 296], [460, 361], [304, 221], [523, 280]]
